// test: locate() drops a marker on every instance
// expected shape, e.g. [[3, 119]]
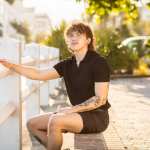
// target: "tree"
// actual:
[[119, 58], [56, 39], [1, 31], [22, 28], [10, 1], [103, 8], [40, 37]]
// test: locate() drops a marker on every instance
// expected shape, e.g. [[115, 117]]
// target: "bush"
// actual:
[[56, 39], [22, 28], [10, 1], [119, 58]]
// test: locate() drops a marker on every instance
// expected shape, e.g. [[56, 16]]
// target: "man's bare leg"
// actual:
[[40, 136], [60, 123], [37, 127]]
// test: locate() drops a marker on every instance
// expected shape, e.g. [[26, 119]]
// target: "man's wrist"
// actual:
[[11, 67], [75, 109]]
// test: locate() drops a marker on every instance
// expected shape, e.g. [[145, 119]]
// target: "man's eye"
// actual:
[[78, 34], [74, 35], [70, 35]]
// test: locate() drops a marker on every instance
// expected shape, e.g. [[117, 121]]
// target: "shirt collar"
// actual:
[[86, 57]]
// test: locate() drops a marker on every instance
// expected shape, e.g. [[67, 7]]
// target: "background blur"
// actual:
[[31, 33], [44, 21]]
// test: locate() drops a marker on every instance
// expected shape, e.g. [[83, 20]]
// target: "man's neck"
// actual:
[[81, 54]]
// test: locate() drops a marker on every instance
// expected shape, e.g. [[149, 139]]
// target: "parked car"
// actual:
[[140, 46]]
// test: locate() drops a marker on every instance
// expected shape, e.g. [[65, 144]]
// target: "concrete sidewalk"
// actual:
[[130, 100], [129, 115]]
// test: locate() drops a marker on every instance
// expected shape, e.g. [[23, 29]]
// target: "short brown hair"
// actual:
[[81, 28]]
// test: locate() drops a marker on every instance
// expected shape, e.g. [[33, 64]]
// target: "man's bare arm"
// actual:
[[31, 72], [100, 98], [90, 104]]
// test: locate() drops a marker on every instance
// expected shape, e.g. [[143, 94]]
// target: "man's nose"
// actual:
[[74, 37]]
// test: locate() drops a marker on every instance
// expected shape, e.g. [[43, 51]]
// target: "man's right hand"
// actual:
[[6, 63]]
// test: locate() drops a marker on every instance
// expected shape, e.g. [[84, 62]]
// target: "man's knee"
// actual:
[[31, 125], [55, 123]]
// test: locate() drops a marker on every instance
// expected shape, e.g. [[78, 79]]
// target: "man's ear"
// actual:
[[89, 40]]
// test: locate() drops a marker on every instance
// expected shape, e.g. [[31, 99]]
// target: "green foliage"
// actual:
[[147, 44], [10, 1], [103, 8], [56, 39], [1, 32], [40, 37], [141, 28], [22, 28], [148, 5], [108, 41]]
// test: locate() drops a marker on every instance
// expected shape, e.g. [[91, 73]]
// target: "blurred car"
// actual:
[[140, 47], [139, 44]]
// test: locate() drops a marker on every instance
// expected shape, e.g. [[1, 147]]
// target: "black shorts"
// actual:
[[94, 121]]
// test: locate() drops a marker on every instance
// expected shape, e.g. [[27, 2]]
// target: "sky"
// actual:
[[57, 10]]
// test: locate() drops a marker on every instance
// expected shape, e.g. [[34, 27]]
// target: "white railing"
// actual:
[[16, 90]]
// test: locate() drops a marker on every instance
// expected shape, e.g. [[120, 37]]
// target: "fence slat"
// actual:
[[9, 92], [44, 90], [36, 95], [6, 112]]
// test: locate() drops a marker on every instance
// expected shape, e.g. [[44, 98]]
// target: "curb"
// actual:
[[128, 76]]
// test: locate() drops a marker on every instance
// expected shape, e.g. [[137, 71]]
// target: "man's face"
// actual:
[[77, 41]]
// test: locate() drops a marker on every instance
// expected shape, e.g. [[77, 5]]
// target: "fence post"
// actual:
[[44, 89], [33, 101], [54, 53], [10, 130]]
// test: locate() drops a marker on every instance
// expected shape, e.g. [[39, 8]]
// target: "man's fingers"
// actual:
[[2, 60]]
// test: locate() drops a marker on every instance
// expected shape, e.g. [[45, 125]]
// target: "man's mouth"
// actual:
[[74, 43]]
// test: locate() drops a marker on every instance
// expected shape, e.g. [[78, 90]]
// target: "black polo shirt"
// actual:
[[79, 80]]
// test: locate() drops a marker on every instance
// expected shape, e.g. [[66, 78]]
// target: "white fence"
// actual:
[[14, 89]]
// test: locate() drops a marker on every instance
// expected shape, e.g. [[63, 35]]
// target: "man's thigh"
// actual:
[[69, 122], [41, 121]]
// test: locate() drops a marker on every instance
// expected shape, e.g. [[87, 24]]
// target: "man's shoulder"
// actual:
[[66, 60], [97, 57]]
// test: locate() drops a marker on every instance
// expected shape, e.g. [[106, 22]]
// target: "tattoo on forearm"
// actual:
[[93, 102]]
